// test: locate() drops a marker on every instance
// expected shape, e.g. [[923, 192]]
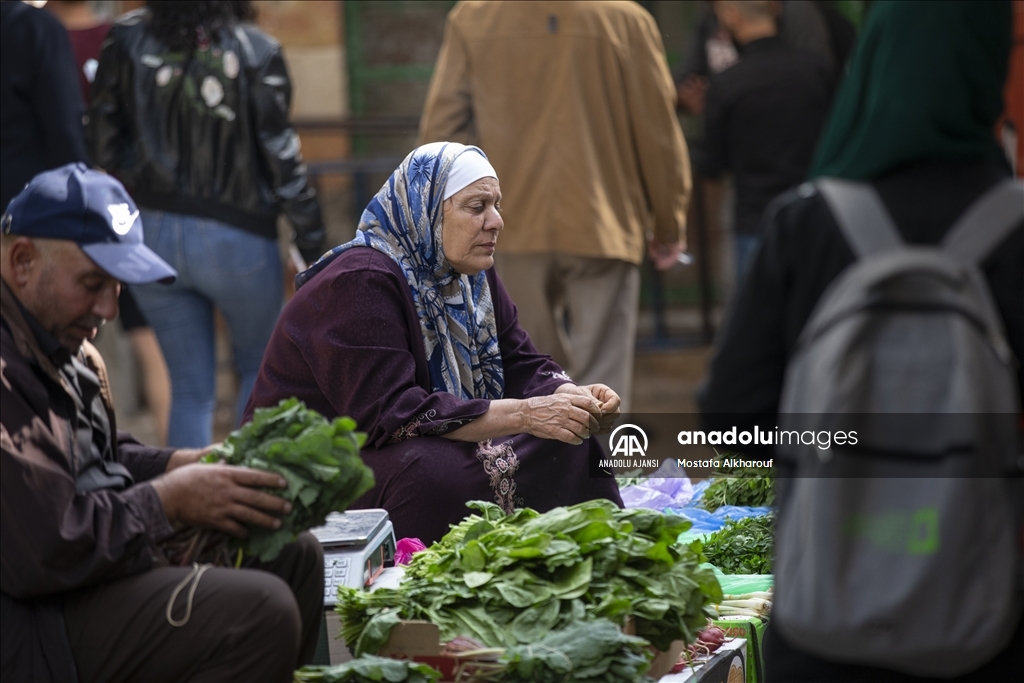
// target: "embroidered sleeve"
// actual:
[[558, 375], [424, 425]]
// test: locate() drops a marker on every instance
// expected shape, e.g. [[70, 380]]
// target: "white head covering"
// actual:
[[468, 167]]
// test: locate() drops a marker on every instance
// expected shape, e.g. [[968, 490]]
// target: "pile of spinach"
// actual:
[[369, 669], [319, 460], [584, 652], [510, 579], [742, 546]]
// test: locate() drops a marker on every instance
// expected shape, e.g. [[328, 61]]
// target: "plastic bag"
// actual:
[[406, 548], [741, 584], [674, 489], [707, 522], [698, 492]]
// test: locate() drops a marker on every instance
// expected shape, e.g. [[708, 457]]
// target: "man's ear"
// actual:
[[22, 258]]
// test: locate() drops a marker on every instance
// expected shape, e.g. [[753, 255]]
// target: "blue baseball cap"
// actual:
[[93, 210]]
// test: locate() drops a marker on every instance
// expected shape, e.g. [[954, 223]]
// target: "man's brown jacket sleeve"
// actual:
[[53, 538]]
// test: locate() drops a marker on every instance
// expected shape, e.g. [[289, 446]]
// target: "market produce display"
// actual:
[[742, 546], [757, 604], [511, 579], [319, 460], [585, 652], [709, 639], [744, 486], [369, 669]]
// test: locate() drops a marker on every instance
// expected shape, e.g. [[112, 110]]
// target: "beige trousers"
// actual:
[[581, 311]]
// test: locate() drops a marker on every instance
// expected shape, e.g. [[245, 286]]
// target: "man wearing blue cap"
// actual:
[[83, 506]]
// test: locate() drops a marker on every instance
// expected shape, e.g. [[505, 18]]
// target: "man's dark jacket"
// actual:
[[762, 121], [54, 539], [203, 134]]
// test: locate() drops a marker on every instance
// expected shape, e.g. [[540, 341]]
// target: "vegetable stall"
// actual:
[[586, 593]]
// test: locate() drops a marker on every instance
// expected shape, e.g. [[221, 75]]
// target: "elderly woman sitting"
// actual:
[[408, 330]]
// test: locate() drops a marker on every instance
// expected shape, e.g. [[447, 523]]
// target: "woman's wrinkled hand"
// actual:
[[608, 402], [566, 416]]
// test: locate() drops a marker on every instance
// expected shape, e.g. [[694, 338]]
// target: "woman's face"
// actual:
[[470, 227]]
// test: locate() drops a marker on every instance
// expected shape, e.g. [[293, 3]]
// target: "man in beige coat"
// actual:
[[575, 107]]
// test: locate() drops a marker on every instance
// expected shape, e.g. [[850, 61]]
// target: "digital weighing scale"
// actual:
[[358, 545]]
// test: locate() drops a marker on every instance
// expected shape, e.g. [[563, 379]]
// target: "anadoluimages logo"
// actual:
[[629, 441]]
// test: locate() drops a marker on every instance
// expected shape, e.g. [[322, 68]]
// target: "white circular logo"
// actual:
[[628, 440]]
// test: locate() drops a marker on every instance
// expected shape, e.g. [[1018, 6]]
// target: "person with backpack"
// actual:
[[892, 285]]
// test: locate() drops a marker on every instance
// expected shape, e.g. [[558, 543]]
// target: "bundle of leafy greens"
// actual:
[[742, 546], [585, 652], [510, 579], [369, 669], [319, 460], [745, 486]]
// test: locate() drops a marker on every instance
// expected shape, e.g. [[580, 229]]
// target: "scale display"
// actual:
[[358, 545]]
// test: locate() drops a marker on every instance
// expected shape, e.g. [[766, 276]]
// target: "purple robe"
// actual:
[[349, 343]]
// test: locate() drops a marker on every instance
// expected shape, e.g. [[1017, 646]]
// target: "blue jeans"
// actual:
[[219, 266], [745, 247]]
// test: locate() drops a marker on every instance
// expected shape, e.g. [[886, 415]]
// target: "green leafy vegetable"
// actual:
[[742, 546], [745, 486], [368, 669], [631, 478], [319, 460], [590, 652], [510, 579]]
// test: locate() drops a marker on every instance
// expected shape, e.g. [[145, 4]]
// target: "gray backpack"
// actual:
[[896, 546]]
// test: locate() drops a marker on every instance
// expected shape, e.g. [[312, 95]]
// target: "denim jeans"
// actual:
[[219, 266]]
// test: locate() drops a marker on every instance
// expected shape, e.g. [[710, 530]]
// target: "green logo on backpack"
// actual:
[[901, 533]]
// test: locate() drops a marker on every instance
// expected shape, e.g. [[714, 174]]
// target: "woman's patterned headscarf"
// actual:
[[456, 312]]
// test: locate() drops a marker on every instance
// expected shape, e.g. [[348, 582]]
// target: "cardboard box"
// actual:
[[752, 630], [421, 642]]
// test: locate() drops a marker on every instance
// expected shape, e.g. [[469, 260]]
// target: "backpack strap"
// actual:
[[860, 215], [986, 223]]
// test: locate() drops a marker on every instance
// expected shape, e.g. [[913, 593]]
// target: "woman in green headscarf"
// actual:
[[926, 83], [915, 117]]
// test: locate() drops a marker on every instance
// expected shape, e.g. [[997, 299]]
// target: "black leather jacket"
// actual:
[[205, 134]]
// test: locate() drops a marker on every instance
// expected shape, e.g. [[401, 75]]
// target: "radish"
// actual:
[[712, 636]]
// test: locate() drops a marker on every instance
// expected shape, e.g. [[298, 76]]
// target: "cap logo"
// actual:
[[121, 218]]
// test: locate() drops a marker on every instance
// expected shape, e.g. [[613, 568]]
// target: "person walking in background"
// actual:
[[190, 110], [914, 118], [40, 101], [762, 118], [575, 105], [811, 25], [87, 32]]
